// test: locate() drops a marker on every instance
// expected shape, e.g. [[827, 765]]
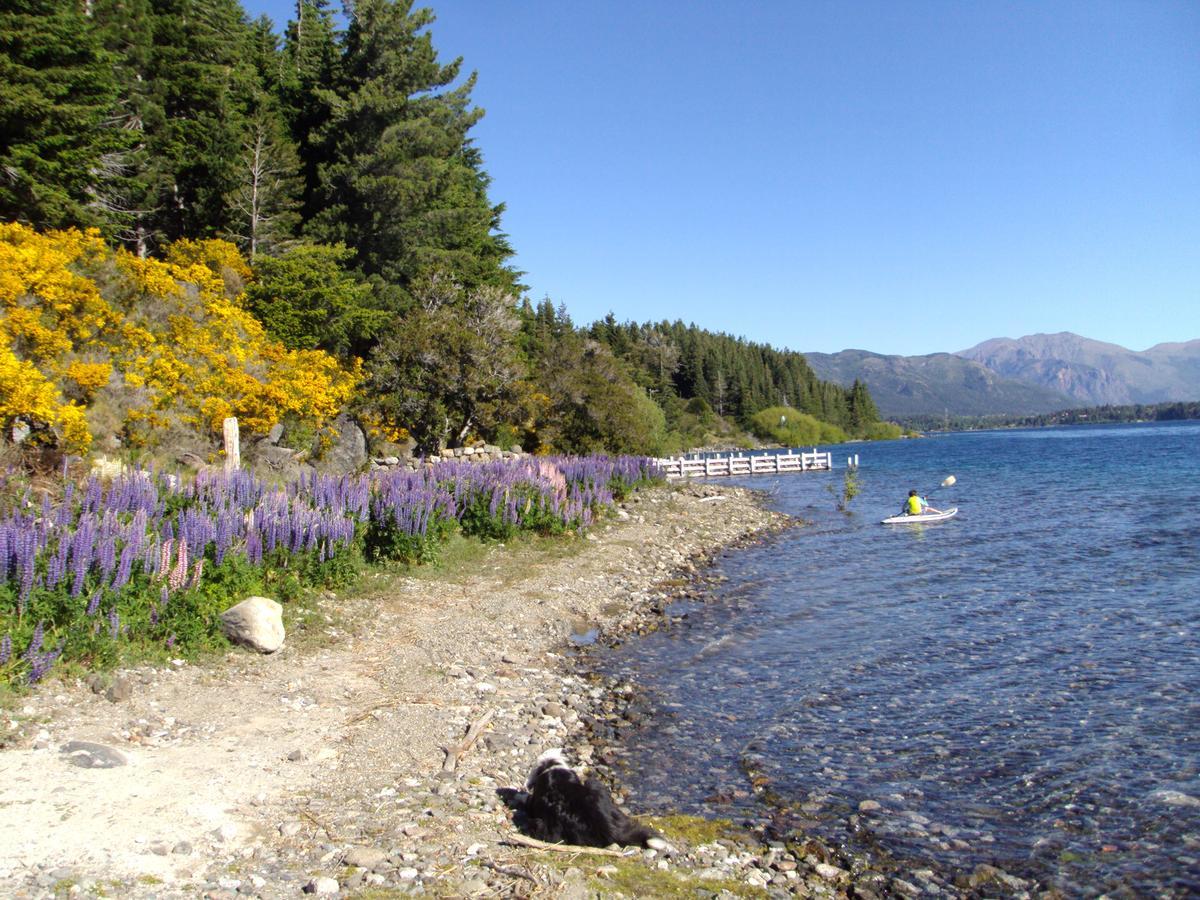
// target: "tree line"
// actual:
[[1175, 411], [338, 159]]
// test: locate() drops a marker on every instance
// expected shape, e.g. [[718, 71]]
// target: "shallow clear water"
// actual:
[[1016, 686]]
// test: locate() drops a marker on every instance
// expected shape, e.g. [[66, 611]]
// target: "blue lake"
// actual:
[[1017, 686]]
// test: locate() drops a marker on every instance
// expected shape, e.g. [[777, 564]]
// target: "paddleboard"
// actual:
[[924, 517]]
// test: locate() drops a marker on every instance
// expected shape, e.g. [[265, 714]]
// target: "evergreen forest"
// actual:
[[206, 215]]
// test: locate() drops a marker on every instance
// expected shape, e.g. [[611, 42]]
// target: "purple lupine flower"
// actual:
[[124, 568], [254, 550], [35, 642], [114, 623], [5, 649], [93, 604]]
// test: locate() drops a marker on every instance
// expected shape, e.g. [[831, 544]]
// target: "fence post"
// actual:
[[233, 452]]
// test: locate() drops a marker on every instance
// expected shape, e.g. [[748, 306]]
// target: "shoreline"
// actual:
[[342, 767]]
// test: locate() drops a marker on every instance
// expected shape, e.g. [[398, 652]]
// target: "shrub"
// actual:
[[146, 343], [792, 428]]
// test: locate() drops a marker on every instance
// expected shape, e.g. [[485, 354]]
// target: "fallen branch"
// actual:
[[455, 752], [328, 831], [509, 870], [559, 848]]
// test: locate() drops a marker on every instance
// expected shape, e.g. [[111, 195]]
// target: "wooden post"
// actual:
[[233, 452]]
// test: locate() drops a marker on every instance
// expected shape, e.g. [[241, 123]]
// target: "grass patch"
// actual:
[[635, 877], [508, 562], [695, 830]]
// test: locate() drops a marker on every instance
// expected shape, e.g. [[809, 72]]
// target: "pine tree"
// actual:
[[402, 186], [309, 68], [57, 98], [126, 29]]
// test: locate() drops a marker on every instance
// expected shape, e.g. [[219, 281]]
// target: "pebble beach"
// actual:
[[378, 752]]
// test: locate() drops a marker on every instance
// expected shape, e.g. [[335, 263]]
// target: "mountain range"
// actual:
[[1037, 373]]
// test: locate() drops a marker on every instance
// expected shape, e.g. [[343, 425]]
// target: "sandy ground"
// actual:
[[262, 775]]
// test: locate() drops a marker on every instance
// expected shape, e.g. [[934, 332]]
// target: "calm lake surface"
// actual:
[[1017, 686]]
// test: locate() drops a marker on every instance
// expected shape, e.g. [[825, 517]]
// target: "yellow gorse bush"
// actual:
[[73, 312]]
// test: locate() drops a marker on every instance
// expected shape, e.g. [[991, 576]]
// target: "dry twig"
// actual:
[[455, 752], [559, 848], [509, 870]]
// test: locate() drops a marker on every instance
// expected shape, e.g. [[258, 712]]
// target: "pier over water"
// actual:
[[742, 463]]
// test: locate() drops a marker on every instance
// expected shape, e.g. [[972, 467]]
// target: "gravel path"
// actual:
[[319, 769]]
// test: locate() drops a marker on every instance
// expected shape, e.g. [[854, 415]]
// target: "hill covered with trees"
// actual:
[[313, 205]]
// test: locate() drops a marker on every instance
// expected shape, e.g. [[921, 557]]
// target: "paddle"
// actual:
[[947, 482], [950, 479]]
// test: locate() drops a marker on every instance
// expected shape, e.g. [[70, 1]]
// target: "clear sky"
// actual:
[[898, 177]]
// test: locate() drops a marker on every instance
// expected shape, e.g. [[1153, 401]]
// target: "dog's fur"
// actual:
[[562, 807]]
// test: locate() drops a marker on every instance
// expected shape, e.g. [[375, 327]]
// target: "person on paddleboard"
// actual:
[[916, 505]]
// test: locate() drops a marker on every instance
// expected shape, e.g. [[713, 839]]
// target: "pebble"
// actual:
[[364, 857], [323, 885], [120, 690], [825, 870]]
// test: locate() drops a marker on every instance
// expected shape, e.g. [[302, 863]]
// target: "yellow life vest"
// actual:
[[914, 506]]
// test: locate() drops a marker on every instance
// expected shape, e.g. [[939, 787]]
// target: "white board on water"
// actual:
[[916, 520]]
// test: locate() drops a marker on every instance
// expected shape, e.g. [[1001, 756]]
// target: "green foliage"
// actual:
[[851, 486], [385, 541], [341, 162], [882, 431], [449, 369], [307, 300], [57, 97], [584, 399], [792, 428]]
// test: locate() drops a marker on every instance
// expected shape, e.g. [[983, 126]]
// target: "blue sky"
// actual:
[[898, 177]]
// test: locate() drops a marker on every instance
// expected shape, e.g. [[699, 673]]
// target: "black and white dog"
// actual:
[[562, 807]]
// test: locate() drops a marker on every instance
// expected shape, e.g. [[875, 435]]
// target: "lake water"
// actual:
[[1017, 686]]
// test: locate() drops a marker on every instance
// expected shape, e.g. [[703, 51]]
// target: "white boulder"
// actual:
[[256, 622]]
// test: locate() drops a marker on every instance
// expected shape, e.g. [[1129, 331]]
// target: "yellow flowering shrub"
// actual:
[[380, 427], [73, 312], [89, 377], [25, 393]]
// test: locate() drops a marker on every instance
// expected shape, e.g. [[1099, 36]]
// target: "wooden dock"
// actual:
[[747, 464]]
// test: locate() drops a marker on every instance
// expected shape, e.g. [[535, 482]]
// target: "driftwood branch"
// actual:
[[509, 871], [328, 831], [559, 848], [455, 752]]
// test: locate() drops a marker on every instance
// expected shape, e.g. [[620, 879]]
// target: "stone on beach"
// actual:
[[256, 622]]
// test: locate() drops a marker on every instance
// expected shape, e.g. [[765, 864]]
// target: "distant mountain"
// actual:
[[1093, 373], [935, 384]]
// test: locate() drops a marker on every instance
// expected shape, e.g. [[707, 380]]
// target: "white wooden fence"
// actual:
[[747, 464]]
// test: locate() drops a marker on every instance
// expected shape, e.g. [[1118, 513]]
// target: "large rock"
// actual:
[[90, 755], [256, 622], [349, 450], [273, 456]]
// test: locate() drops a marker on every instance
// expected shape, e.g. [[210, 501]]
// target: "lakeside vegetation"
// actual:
[[143, 564], [1093, 415]]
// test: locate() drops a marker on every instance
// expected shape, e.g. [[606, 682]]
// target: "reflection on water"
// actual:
[[1017, 685]]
